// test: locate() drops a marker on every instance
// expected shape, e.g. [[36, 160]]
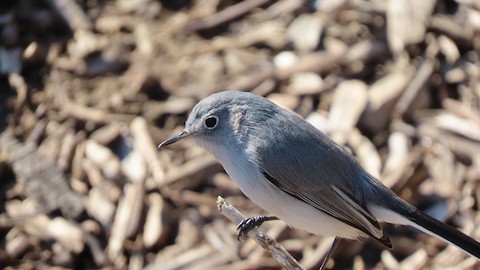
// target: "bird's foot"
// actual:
[[247, 224]]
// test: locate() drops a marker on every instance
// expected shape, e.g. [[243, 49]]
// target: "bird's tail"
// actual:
[[405, 214], [438, 229]]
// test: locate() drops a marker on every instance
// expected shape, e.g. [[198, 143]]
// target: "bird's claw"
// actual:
[[245, 226]]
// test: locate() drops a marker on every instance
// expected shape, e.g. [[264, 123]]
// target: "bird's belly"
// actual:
[[294, 212]]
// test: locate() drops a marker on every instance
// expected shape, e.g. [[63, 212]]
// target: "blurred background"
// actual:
[[88, 89]]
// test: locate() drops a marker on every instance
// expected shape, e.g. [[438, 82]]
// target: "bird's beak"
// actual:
[[174, 139]]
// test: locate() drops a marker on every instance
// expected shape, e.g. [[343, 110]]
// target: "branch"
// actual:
[[225, 15], [278, 252]]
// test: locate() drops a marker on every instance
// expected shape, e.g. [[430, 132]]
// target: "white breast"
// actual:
[[294, 212]]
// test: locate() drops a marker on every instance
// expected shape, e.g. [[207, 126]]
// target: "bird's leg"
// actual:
[[247, 224], [329, 254]]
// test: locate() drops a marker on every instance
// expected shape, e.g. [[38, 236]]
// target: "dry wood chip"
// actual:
[[44, 182], [411, 95], [83, 44], [439, 166], [305, 31], [18, 82], [218, 236], [407, 22], [457, 144], [136, 261], [93, 173], [186, 260], [458, 125], [212, 261], [474, 18], [196, 198], [349, 101], [73, 14], [328, 6], [154, 110], [103, 158], [127, 218], [449, 49], [189, 229], [143, 143], [335, 45], [364, 50], [270, 33], [453, 258], [366, 152], [451, 28], [224, 185], [388, 88], [51, 145], [399, 162], [100, 207], [144, 7], [285, 60], [143, 38], [280, 8], [318, 120], [194, 170], [314, 62], [156, 228], [67, 150], [109, 24], [20, 209], [288, 101], [58, 229], [389, 261], [314, 257], [107, 134], [225, 15], [16, 244], [134, 167], [358, 263], [417, 260], [95, 115], [305, 83], [382, 95], [455, 75]]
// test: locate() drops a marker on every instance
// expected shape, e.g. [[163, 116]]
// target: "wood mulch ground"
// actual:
[[89, 88]]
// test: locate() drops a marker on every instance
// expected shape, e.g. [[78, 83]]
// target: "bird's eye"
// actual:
[[211, 122]]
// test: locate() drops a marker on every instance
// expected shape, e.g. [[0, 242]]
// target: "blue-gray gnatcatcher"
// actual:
[[295, 172]]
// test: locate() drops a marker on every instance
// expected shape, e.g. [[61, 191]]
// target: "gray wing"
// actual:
[[310, 167]]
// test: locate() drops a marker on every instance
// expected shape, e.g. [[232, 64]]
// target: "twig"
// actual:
[[18, 82], [225, 15], [419, 80], [278, 252], [193, 170], [73, 14], [92, 114], [144, 143]]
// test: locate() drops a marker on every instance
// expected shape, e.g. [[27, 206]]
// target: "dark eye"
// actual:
[[211, 122]]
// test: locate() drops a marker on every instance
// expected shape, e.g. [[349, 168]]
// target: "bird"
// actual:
[[299, 175]]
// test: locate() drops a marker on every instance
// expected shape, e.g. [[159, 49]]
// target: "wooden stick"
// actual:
[[225, 15], [278, 252]]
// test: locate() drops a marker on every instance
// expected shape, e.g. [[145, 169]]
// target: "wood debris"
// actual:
[[90, 88]]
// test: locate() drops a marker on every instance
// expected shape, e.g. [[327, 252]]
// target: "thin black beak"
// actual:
[[174, 139]]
